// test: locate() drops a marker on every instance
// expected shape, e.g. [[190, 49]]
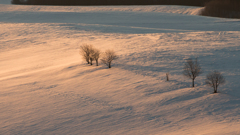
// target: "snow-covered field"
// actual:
[[46, 88]]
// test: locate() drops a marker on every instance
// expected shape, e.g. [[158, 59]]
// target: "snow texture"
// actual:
[[46, 88]]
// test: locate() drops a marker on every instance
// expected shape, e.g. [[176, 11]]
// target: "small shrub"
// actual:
[[167, 76]]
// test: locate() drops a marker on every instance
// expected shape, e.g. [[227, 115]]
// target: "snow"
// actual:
[[46, 88], [166, 9]]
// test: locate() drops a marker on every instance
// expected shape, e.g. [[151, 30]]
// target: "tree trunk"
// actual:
[[109, 64], [192, 82], [215, 89], [96, 62], [91, 62]]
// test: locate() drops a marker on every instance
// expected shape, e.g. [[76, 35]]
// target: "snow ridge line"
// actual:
[[160, 8]]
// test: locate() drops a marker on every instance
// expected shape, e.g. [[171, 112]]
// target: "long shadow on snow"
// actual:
[[154, 72], [159, 63], [74, 67]]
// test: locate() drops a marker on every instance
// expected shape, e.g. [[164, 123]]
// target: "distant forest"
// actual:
[[114, 2], [222, 8]]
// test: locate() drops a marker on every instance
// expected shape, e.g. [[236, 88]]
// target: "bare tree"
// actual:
[[192, 69], [91, 58], [214, 79], [108, 57], [85, 51], [95, 55]]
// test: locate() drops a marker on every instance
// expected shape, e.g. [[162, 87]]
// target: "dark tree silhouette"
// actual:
[[108, 57], [85, 51], [192, 69], [222, 8], [214, 79], [91, 58], [95, 55]]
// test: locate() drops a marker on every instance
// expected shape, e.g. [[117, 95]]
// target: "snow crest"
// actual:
[[165, 9]]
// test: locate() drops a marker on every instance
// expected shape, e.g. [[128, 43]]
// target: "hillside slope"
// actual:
[[46, 88]]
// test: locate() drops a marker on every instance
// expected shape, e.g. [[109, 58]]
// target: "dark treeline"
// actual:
[[115, 2], [222, 8]]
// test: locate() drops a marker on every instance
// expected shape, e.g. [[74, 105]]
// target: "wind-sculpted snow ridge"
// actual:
[[165, 9]]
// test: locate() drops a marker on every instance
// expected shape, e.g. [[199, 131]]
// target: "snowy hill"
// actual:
[[46, 88]]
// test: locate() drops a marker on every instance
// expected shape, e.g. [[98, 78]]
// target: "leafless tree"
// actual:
[[192, 69], [108, 57], [91, 58], [85, 51], [95, 55], [214, 79]]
